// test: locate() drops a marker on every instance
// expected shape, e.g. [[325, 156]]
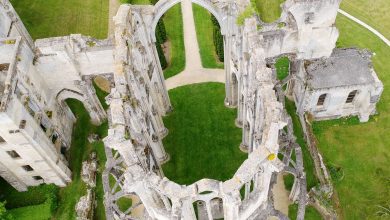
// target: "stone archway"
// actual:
[[164, 5], [94, 107]]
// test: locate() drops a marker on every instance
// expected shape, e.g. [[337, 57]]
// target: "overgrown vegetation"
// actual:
[[308, 162], [51, 18], [201, 150], [247, 13], [282, 66]]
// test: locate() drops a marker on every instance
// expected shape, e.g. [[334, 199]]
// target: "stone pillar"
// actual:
[[227, 62], [231, 207], [92, 102], [160, 87]]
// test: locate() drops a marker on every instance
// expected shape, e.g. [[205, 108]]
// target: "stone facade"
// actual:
[[36, 124], [342, 85]]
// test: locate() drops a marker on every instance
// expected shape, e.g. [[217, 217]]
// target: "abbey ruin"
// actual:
[[36, 123]]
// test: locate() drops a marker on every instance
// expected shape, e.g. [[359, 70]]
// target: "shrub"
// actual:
[[217, 38]]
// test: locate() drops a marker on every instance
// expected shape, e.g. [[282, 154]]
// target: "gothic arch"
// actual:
[[164, 5]]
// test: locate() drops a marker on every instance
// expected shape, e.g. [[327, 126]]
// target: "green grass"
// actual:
[[203, 141], [310, 212], [204, 34], [269, 10], [50, 18], [361, 150], [308, 162], [174, 27], [373, 12], [282, 67], [79, 152]]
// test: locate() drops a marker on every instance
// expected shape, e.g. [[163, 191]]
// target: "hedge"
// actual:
[[218, 39]]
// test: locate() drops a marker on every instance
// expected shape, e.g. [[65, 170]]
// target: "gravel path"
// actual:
[[193, 71]]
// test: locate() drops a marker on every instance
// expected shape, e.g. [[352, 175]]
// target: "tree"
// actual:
[[4, 215]]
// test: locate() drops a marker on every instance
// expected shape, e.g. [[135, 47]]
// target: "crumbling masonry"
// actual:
[[36, 124]]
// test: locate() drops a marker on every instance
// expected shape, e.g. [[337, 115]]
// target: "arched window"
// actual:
[[351, 96], [321, 100]]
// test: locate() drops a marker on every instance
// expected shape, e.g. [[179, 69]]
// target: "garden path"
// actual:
[[193, 71]]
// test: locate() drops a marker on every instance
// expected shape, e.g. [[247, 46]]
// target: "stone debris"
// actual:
[[86, 204]]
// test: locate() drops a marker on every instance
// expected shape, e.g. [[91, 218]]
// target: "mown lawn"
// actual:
[[174, 27], [361, 150], [203, 141], [204, 34], [50, 18], [269, 10], [373, 12]]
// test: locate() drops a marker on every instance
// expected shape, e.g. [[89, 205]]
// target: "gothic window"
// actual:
[[309, 17], [321, 100], [27, 168], [351, 96], [13, 154], [22, 124], [37, 177]]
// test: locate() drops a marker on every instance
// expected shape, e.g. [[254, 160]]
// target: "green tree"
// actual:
[[4, 215]]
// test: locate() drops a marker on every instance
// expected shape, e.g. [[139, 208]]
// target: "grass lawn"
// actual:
[[50, 18], [269, 10], [361, 150], [373, 12], [174, 27], [282, 67], [203, 141], [204, 34]]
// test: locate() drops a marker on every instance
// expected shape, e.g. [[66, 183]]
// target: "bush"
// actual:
[[4, 215], [161, 56], [218, 39]]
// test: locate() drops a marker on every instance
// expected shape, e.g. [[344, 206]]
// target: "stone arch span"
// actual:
[[164, 5], [91, 103]]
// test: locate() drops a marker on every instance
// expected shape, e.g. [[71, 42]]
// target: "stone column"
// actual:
[[92, 102], [160, 87]]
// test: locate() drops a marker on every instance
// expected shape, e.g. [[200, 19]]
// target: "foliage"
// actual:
[[205, 31], [51, 18], [4, 215], [202, 135], [282, 66], [248, 12], [336, 173], [308, 162], [218, 39]]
